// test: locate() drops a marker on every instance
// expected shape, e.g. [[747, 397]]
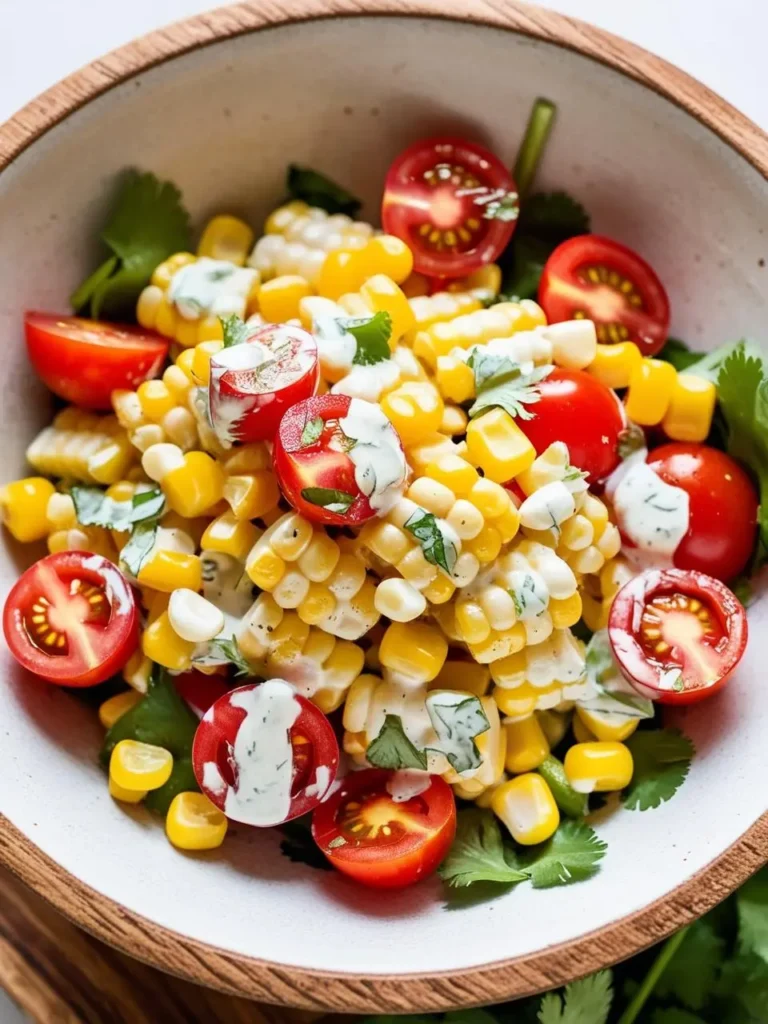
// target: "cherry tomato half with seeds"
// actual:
[[677, 635], [84, 361], [264, 754], [452, 202], [601, 280], [722, 504], [576, 408], [72, 619], [253, 384], [369, 836], [315, 468]]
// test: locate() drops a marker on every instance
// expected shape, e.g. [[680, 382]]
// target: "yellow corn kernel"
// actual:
[[440, 590], [527, 745], [650, 392], [265, 568], [112, 462], [382, 295], [498, 445], [454, 473], [614, 365], [125, 796], [194, 823], [171, 570], [594, 615], [690, 412], [580, 731], [490, 498], [137, 670], [156, 399], [24, 507], [340, 273], [116, 707], [226, 238], [288, 638], [230, 535], [516, 701], [415, 410], [201, 360], [528, 809], [284, 216], [161, 643], [454, 421], [600, 767], [387, 541], [386, 254], [252, 495], [348, 576], [416, 649], [279, 298], [455, 379], [606, 726], [471, 622], [566, 611], [462, 675], [317, 604], [319, 558], [576, 533], [291, 536], [60, 512], [485, 546], [500, 644], [196, 486], [148, 305], [140, 766], [486, 278]]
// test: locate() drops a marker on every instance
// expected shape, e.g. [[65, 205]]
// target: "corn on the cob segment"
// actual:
[[83, 446], [476, 328]]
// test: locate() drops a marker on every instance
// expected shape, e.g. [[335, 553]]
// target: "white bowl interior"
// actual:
[[345, 96]]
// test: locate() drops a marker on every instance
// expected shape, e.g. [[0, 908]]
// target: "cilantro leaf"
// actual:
[[299, 846], [235, 330], [148, 223], [94, 508], [312, 430], [372, 334], [709, 364], [587, 1001], [230, 649], [744, 980], [478, 853], [690, 975], [457, 726], [317, 190], [139, 545], [662, 758], [161, 718], [330, 498], [392, 748], [752, 909], [571, 855], [631, 440], [438, 549], [507, 386]]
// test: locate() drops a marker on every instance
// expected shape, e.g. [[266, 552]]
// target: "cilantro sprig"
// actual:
[[437, 548], [148, 223], [501, 382], [393, 749], [316, 189], [329, 498], [587, 1001], [230, 649], [94, 508], [372, 334], [456, 725], [662, 759]]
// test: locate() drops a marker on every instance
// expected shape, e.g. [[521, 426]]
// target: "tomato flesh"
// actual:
[[200, 690], [367, 835], [72, 619], [84, 361], [438, 198], [722, 504], [601, 280], [576, 408], [314, 753], [677, 635], [254, 383]]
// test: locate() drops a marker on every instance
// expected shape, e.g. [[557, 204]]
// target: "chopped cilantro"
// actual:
[[457, 727], [571, 855], [312, 431], [500, 382], [148, 223], [372, 334], [139, 545], [317, 190], [612, 694], [330, 498], [94, 508], [235, 330], [478, 853], [438, 549], [587, 1001], [392, 748], [662, 758]]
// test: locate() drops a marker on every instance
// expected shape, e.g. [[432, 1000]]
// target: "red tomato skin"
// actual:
[[220, 724], [627, 609], [562, 293], [394, 866], [583, 413], [722, 506], [68, 670], [85, 370], [200, 690]]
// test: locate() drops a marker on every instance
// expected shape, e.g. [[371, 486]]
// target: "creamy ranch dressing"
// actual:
[[210, 287], [336, 347], [457, 719], [226, 586], [651, 513], [529, 592], [368, 382], [380, 466], [407, 783]]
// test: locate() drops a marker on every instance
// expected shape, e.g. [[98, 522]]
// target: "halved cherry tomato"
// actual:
[[365, 834], [677, 635], [84, 361], [576, 408], [602, 280], [219, 767], [439, 195], [314, 468], [201, 690], [252, 384], [722, 503], [71, 618]]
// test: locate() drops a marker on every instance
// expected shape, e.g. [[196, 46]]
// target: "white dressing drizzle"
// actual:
[[407, 783], [210, 287], [380, 466], [651, 513], [368, 382]]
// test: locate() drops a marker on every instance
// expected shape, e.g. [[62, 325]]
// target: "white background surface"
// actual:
[[723, 45]]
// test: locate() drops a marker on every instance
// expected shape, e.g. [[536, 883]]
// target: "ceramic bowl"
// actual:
[[220, 104]]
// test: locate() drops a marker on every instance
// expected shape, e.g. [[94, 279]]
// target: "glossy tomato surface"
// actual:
[[722, 503], [313, 748], [84, 361], [366, 834], [200, 690], [599, 279], [313, 466], [677, 635], [253, 384], [72, 619], [439, 197], [576, 408]]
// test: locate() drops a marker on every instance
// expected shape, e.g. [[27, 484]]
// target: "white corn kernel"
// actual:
[[574, 343], [291, 590], [399, 601], [194, 618], [432, 495], [465, 569], [60, 511], [146, 436], [499, 607], [547, 507], [160, 459], [465, 519], [181, 427]]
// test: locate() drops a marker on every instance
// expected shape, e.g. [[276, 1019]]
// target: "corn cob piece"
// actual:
[[82, 446], [476, 328], [541, 676]]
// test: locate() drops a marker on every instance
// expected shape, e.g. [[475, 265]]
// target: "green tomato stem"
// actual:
[[659, 965], [537, 131]]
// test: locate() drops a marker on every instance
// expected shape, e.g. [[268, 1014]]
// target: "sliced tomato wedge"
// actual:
[[72, 619], [320, 467], [201, 690], [366, 834], [452, 202], [264, 754], [677, 635], [254, 383], [601, 280], [84, 361], [578, 409]]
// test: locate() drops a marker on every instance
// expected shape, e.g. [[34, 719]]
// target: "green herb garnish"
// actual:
[[312, 431], [571, 855], [392, 748], [587, 1001], [317, 190], [94, 508], [437, 548], [230, 649], [372, 334], [500, 382], [235, 330], [457, 727], [139, 545], [329, 498], [662, 759], [478, 853]]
